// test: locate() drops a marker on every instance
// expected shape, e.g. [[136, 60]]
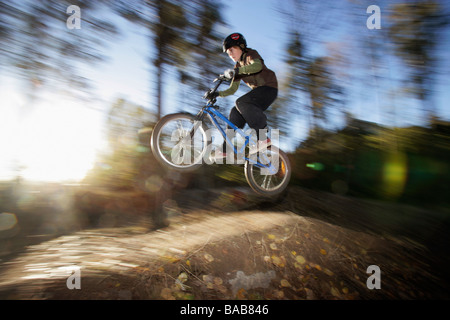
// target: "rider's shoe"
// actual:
[[262, 145]]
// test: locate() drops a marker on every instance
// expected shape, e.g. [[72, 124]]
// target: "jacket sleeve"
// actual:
[[234, 86], [255, 67]]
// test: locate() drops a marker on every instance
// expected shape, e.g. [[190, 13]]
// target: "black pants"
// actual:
[[250, 109], [251, 106]]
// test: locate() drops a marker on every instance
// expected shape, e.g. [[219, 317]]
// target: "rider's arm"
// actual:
[[254, 67], [234, 86]]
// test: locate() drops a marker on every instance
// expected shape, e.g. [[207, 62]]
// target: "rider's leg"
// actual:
[[253, 104], [238, 120], [250, 109]]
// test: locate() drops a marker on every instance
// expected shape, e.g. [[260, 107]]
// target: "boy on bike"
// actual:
[[249, 108]]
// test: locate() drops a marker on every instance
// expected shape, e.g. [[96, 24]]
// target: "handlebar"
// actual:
[[221, 78]]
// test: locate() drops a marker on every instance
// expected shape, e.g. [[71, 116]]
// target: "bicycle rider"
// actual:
[[250, 107]]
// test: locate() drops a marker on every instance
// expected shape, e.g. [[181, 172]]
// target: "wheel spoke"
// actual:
[[176, 147], [267, 180], [269, 184], [180, 128], [264, 183]]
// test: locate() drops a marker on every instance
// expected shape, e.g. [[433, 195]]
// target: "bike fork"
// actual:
[[197, 122]]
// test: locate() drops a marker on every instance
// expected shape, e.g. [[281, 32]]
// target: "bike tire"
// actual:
[[159, 137], [269, 185]]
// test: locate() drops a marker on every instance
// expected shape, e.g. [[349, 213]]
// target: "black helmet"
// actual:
[[234, 39]]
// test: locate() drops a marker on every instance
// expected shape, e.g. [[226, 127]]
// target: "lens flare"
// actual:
[[395, 173], [7, 221]]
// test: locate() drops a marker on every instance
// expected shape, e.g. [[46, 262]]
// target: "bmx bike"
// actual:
[[181, 141]]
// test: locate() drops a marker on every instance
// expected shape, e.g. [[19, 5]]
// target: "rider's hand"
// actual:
[[230, 73], [210, 95]]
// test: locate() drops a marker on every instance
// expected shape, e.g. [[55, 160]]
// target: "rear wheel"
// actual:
[[271, 180], [179, 142]]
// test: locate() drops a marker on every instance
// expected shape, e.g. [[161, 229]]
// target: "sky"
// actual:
[[59, 138]]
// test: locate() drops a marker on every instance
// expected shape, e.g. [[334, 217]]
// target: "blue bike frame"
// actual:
[[212, 112]]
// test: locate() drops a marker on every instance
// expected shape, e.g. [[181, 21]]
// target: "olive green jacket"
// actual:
[[252, 70]]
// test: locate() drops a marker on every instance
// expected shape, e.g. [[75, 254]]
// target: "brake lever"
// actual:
[[221, 78]]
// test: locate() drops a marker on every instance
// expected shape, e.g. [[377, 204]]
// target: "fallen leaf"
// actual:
[[300, 259], [326, 240], [298, 265], [218, 281], [179, 286], [208, 278], [271, 236], [183, 277], [310, 294], [304, 279], [279, 262], [266, 258], [335, 292], [294, 253], [188, 263], [318, 267], [276, 260], [285, 283], [323, 251], [141, 269], [187, 296], [208, 257], [171, 259], [328, 272], [273, 246], [241, 294], [345, 290], [278, 294]]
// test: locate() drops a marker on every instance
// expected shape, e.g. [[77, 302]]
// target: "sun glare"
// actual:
[[52, 140]]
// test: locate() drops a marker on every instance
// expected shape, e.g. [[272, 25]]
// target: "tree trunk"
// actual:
[[159, 91]]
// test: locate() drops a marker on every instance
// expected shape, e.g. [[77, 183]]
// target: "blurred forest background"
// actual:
[[349, 157]]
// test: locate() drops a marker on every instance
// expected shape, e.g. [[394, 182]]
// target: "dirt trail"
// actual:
[[310, 246]]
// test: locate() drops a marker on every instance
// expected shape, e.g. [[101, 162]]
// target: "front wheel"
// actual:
[[271, 179], [179, 142]]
